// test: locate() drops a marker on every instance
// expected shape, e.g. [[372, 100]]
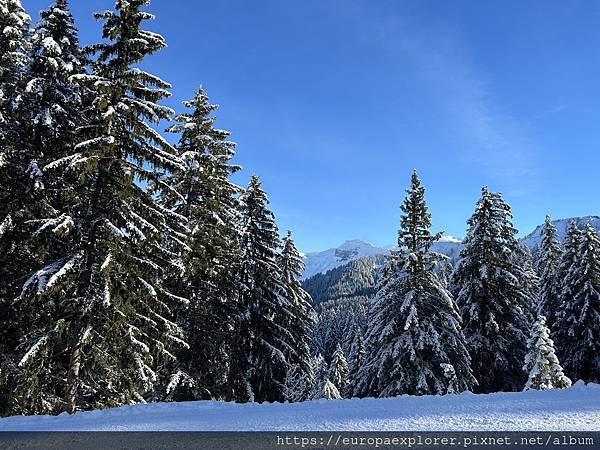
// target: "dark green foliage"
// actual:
[[114, 339], [547, 262], [577, 327], [414, 341], [299, 312], [491, 291], [258, 363], [357, 278], [202, 193]]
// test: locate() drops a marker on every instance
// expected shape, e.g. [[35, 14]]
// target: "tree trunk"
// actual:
[[85, 280], [73, 376]]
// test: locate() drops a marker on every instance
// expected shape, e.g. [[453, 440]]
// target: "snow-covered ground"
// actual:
[[573, 409]]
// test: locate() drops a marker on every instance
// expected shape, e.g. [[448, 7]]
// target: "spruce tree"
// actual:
[[298, 307], [115, 338], [49, 111], [530, 282], [548, 262], [414, 344], [489, 287], [327, 391], [15, 260], [204, 195], [14, 49], [299, 385], [320, 372], [51, 101], [338, 370], [258, 363], [14, 58], [577, 328], [14, 185], [541, 363], [356, 360]]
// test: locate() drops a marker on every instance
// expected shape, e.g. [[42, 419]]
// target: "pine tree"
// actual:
[[203, 194], [338, 370], [414, 344], [15, 260], [14, 48], [488, 285], [49, 112], [577, 328], [299, 309], [51, 101], [14, 51], [530, 282], [320, 372], [327, 391], [541, 363], [259, 364], [355, 361], [548, 261], [115, 338], [299, 384], [14, 58]]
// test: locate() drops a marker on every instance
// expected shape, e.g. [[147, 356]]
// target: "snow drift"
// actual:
[[573, 409]]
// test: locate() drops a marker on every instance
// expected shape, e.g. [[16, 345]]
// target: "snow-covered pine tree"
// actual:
[[356, 360], [14, 49], [203, 194], [548, 258], [414, 343], [51, 101], [49, 111], [327, 391], [14, 58], [115, 335], [299, 385], [338, 370], [299, 309], [569, 256], [541, 363], [530, 282], [488, 285], [320, 372], [258, 361], [577, 327]]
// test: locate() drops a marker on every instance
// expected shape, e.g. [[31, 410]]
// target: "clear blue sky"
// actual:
[[334, 102]]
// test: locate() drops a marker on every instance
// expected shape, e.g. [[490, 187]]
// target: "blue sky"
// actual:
[[334, 102]]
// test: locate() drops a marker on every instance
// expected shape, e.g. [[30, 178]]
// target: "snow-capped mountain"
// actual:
[[321, 262], [351, 250], [533, 239]]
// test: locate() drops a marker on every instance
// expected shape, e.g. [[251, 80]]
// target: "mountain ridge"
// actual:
[[354, 249]]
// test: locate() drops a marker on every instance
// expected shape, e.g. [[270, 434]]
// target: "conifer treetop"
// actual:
[[541, 363]]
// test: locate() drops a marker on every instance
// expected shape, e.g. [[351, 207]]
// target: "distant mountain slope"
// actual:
[[357, 277], [346, 273], [533, 239], [321, 262], [354, 279]]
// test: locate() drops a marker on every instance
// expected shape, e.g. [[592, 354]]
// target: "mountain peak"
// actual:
[[350, 250], [354, 243], [533, 239]]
